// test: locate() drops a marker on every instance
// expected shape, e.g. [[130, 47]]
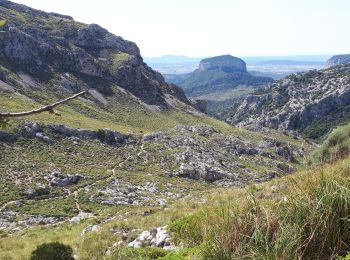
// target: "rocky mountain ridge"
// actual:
[[59, 51], [338, 59], [313, 101]]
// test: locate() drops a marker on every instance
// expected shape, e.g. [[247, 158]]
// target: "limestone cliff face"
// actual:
[[46, 45], [337, 60], [226, 63], [298, 101]]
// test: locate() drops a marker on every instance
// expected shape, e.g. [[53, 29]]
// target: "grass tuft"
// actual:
[[308, 221]]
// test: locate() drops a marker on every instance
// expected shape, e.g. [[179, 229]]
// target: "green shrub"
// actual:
[[52, 251], [124, 253], [336, 146], [183, 254], [187, 230], [101, 134], [347, 257], [3, 23], [94, 245]]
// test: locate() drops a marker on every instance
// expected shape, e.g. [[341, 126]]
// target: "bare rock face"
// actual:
[[45, 45], [62, 180], [299, 101], [226, 63], [203, 153]]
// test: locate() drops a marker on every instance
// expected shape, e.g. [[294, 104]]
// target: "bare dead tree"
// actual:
[[48, 108]]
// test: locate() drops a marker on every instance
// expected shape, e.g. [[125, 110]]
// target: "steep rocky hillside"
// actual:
[[338, 59], [67, 56], [312, 103]]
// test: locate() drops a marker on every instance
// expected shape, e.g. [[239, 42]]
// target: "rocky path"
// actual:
[[3, 207], [111, 176], [77, 201], [75, 194]]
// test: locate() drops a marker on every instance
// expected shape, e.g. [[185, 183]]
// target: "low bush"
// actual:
[[124, 253], [336, 146], [52, 251]]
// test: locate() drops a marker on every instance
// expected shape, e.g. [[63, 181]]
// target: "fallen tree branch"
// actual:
[[48, 108]]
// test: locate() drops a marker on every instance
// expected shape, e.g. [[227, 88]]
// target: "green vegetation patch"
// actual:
[[118, 59]]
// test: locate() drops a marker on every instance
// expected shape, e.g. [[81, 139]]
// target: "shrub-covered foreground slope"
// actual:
[[300, 215], [57, 180]]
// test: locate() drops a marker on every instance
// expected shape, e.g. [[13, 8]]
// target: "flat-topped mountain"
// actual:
[[312, 102], [337, 60], [221, 81], [217, 74], [226, 63]]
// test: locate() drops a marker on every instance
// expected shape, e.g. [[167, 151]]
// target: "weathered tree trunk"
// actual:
[[48, 108]]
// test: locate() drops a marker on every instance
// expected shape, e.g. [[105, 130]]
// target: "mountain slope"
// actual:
[[222, 82], [218, 74], [312, 102], [46, 57], [337, 60], [69, 55]]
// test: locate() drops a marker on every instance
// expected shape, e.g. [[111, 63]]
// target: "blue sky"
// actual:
[[214, 27]]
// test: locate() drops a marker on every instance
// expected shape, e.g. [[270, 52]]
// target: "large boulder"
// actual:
[[62, 180]]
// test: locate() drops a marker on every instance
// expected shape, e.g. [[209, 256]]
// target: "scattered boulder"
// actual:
[[7, 137], [35, 130], [81, 216], [123, 193], [44, 138], [155, 136], [200, 171], [91, 228], [63, 180], [104, 135], [32, 128], [40, 190], [158, 237], [285, 152]]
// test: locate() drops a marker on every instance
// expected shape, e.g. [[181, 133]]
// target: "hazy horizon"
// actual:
[[320, 56], [203, 28]]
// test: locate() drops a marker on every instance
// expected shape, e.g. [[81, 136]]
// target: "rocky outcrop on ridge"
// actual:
[[313, 101], [56, 49], [337, 60]]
